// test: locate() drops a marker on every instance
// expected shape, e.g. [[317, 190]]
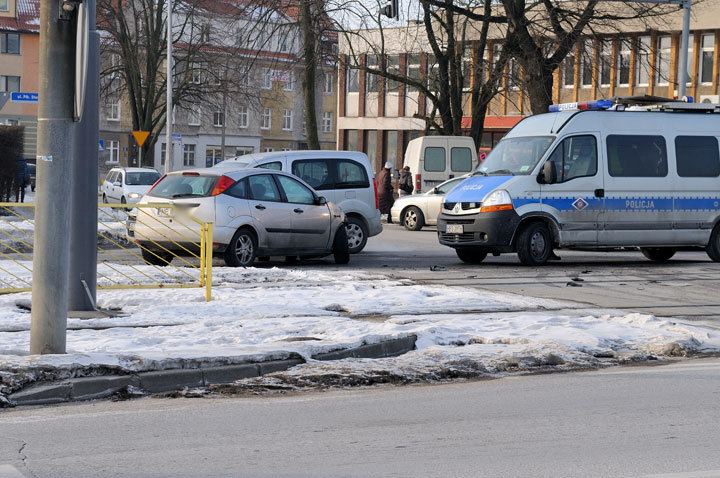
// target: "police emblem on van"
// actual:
[[580, 204]]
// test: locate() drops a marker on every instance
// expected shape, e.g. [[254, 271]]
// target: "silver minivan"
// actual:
[[345, 178]]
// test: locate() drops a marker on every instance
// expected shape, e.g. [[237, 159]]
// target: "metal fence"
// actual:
[[167, 254]]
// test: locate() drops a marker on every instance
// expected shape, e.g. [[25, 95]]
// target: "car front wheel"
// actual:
[[713, 247], [357, 234], [341, 251], [242, 249], [413, 219]]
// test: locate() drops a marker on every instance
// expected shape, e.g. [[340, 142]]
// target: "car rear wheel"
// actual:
[[341, 250], [471, 256], [357, 234], [658, 254], [242, 249], [157, 258], [413, 219], [713, 247], [104, 199], [534, 244]]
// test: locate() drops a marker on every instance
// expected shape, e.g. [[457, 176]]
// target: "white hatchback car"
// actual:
[[127, 185], [418, 210]]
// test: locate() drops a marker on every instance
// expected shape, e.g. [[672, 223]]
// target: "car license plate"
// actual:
[[454, 228], [164, 212]]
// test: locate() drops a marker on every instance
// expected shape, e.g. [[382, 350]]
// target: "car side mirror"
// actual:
[[436, 191], [321, 201], [116, 183], [548, 174]]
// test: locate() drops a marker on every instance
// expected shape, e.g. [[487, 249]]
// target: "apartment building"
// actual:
[[378, 117], [19, 51]]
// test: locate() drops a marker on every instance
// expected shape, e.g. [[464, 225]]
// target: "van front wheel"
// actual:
[[658, 254], [713, 247], [471, 256], [534, 244]]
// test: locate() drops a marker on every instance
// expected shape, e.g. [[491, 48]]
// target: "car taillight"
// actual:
[[377, 201], [222, 184], [156, 183], [418, 183]]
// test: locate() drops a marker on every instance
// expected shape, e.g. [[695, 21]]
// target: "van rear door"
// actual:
[[576, 198]]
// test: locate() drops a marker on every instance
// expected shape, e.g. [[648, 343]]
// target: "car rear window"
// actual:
[[183, 185], [147, 178]]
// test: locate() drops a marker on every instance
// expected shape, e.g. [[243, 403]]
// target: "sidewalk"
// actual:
[[263, 320]]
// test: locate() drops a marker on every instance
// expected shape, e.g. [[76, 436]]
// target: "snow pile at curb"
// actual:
[[270, 314]]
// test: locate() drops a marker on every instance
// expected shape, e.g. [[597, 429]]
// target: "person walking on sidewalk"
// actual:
[[405, 185], [21, 179], [386, 197]]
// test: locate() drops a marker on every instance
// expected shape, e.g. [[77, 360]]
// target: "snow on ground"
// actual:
[[264, 314]]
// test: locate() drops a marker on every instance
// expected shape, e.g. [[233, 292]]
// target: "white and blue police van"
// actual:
[[600, 175]]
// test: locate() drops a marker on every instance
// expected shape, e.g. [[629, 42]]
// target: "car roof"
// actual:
[[279, 155], [137, 170]]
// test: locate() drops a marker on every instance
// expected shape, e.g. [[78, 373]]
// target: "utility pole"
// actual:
[[169, 86], [54, 166], [84, 191]]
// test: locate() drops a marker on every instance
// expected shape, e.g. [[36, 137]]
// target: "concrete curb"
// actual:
[[160, 381]]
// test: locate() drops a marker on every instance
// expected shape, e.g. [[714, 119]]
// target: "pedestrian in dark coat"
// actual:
[[405, 185], [21, 180], [385, 191]]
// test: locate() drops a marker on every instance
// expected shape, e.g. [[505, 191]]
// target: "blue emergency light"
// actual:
[[582, 106]]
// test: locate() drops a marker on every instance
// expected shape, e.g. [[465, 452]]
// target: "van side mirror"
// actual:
[[548, 174], [321, 201]]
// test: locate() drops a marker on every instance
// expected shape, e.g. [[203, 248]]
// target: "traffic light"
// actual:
[[391, 9]]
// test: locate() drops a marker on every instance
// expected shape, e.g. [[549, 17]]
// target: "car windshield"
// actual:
[[145, 178], [448, 186], [515, 156], [184, 186]]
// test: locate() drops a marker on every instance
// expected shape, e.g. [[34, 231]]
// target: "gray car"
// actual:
[[256, 213]]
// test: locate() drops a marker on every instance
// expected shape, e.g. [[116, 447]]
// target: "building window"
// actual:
[[707, 44], [371, 139], [163, 151], [663, 60], [353, 80], [351, 140], [188, 155], [413, 70], [287, 120], [113, 152], [605, 62], [196, 73], [112, 111], [268, 150], [266, 119], [623, 63], [289, 80], [9, 42], [218, 118], [194, 115], [327, 122], [569, 70], [266, 78], [10, 83], [243, 117], [587, 62], [328, 81], [643, 61], [4, 7], [371, 80], [285, 43]]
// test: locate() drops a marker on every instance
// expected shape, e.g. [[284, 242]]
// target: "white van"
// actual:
[[344, 178], [435, 159], [600, 179]]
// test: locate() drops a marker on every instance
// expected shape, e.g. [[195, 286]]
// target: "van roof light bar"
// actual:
[[582, 106]]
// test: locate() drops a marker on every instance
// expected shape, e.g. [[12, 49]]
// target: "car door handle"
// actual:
[[298, 210], [260, 206]]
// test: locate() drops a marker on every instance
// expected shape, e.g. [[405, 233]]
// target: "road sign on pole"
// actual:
[[140, 137]]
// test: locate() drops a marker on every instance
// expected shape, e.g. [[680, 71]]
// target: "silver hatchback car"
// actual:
[[255, 213]]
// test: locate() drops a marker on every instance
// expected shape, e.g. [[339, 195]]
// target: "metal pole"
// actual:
[[84, 191], [52, 211], [168, 82], [684, 40]]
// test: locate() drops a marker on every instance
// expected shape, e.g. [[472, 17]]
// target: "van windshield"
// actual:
[[515, 156]]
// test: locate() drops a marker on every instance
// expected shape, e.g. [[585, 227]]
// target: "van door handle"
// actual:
[[298, 210], [260, 206], [599, 193]]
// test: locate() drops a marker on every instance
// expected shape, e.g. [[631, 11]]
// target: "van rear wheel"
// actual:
[[658, 254], [534, 244], [471, 256], [357, 234], [713, 247]]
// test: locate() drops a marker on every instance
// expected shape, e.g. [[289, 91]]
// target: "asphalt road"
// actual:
[[630, 422]]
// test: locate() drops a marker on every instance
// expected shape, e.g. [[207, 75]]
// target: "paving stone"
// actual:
[[278, 365], [87, 388], [42, 394]]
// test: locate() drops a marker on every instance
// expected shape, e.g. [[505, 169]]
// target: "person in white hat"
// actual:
[[385, 191]]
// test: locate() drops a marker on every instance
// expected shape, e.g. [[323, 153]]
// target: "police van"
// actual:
[[598, 175]]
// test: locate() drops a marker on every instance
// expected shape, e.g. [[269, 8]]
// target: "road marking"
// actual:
[[689, 474], [9, 471]]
